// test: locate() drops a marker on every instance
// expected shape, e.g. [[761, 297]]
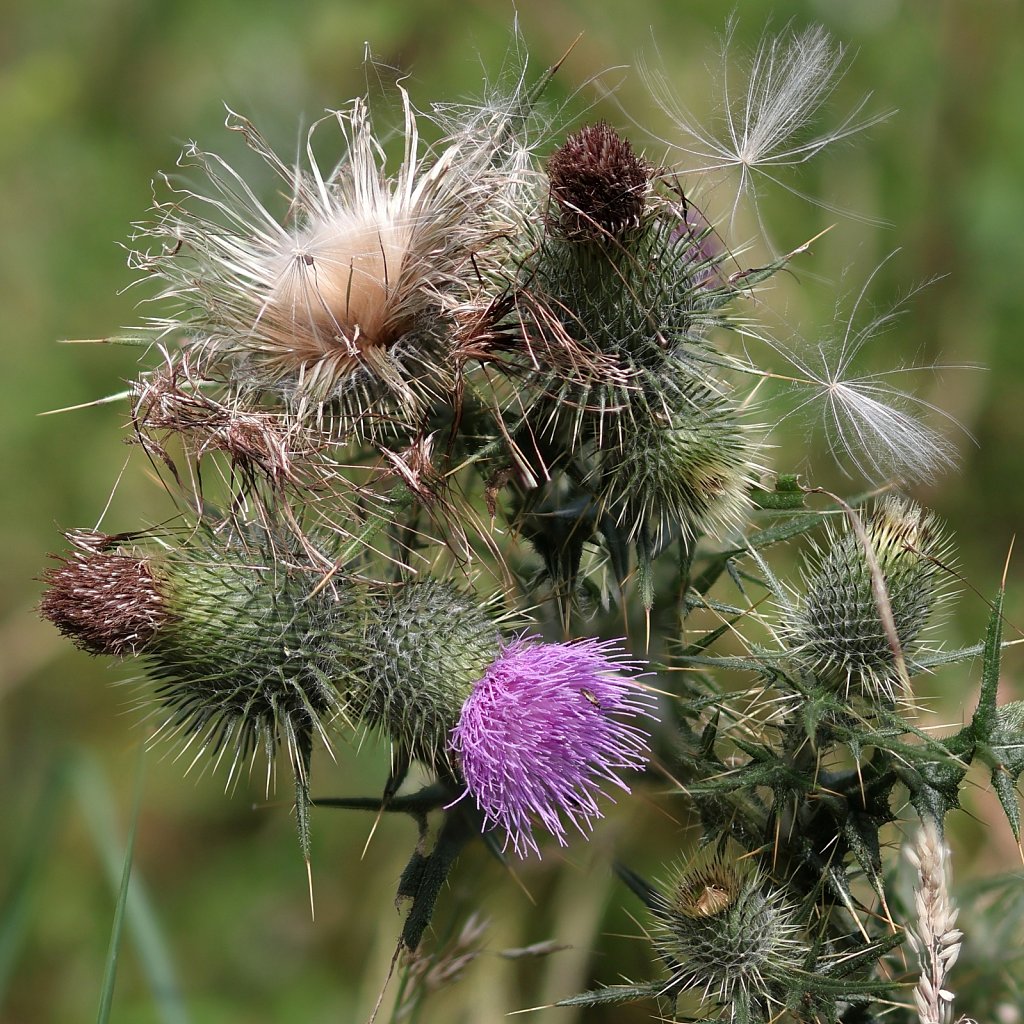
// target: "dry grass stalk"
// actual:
[[935, 939]]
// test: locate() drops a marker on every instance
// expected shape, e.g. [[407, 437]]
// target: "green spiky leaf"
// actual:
[[614, 994], [985, 717]]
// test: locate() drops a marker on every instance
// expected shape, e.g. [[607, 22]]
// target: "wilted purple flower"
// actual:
[[544, 730], [704, 250]]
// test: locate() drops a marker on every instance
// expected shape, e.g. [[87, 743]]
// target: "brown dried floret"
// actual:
[[105, 602], [598, 185]]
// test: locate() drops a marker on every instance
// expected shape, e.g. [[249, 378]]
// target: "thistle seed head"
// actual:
[[337, 304], [726, 931], [838, 631], [599, 186]]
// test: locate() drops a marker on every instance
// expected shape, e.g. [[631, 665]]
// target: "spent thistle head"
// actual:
[[599, 186], [106, 602], [727, 932], [337, 304]]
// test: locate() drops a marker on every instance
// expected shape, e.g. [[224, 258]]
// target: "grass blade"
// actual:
[[110, 973], [143, 927], [17, 904]]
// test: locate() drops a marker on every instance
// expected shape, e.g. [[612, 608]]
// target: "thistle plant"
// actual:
[[465, 454]]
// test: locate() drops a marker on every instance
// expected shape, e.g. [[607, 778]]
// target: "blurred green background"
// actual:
[[95, 97]]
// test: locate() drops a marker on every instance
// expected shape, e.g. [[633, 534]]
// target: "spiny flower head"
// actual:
[[632, 321], [245, 651], [599, 186], [338, 302], [684, 465], [858, 621], [725, 930], [424, 647], [545, 730], [644, 301]]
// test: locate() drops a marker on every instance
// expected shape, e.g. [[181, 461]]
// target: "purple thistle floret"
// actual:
[[704, 250], [544, 730]]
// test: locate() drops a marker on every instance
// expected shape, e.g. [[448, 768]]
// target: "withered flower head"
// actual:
[[338, 300], [598, 184], [727, 932], [106, 602]]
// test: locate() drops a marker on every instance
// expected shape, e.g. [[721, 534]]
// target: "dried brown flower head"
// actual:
[[106, 602], [598, 184]]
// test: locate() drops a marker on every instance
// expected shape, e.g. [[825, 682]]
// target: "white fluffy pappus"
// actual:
[[336, 305], [872, 426]]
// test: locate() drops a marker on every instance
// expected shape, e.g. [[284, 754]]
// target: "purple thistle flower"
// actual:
[[704, 251], [544, 730]]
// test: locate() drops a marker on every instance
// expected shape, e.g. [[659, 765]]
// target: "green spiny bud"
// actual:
[[683, 466], [424, 648], [642, 302], [245, 649], [631, 320], [252, 654], [726, 932], [838, 631]]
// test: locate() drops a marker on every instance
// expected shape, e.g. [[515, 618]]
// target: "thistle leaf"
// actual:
[[985, 718], [1007, 793], [614, 994]]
